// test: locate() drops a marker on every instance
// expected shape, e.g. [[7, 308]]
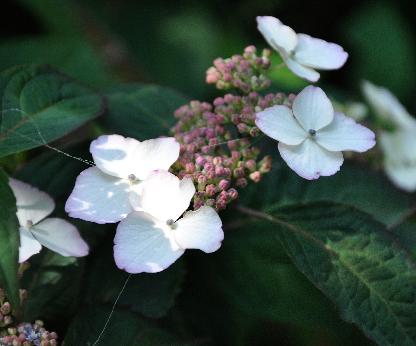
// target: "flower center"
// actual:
[[132, 178], [312, 132], [29, 223], [171, 223]]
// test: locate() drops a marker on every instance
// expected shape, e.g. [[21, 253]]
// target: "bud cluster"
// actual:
[[243, 72], [25, 334], [216, 143]]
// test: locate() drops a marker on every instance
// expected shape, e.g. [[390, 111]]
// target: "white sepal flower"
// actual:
[[58, 235], [301, 53], [101, 193], [311, 135], [154, 236], [398, 145]]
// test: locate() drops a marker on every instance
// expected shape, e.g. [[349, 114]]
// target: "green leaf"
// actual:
[[124, 328], [40, 105], [142, 112], [151, 295], [354, 261], [355, 185], [9, 241], [53, 283]]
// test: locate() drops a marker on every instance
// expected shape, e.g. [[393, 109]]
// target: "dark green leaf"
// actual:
[[124, 328], [355, 262], [9, 241], [142, 112], [39, 105]]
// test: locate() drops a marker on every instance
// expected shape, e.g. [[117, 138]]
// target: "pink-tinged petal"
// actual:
[[165, 196], [278, 36], [345, 134], [279, 123], [319, 54], [126, 157], [302, 71], [313, 109], [200, 229], [309, 160], [32, 204], [400, 158], [29, 246], [60, 236], [99, 197], [387, 106], [143, 244]]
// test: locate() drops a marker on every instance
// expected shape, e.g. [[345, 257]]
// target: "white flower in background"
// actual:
[[101, 193], [301, 53], [154, 236], [311, 135], [398, 145], [33, 206]]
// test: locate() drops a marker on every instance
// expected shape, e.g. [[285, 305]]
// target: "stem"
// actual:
[[406, 216]]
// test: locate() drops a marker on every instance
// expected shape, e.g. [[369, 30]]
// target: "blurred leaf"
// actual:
[[74, 56], [361, 187], [50, 106], [382, 46], [53, 283], [124, 328], [9, 241], [152, 295], [354, 261], [142, 112]]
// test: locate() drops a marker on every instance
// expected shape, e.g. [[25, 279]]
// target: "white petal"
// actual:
[[311, 161], [277, 35], [99, 197], [400, 158], [200, 229], [319, 54], [345, 134], [29, 246], [143, 244], [164, 196], [279, 123], [122, 157], [301, 70], [387, 106], [32, 204], [60, 236], [313, 109]]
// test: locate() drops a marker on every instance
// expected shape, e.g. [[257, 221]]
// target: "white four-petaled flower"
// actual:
[[301, 53], [399, 144], [101, 193], [33, 206], [311, 135], [154, 236]]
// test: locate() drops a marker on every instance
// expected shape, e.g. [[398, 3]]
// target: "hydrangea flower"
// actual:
[[399, 144], [101, 193], [58, 235], [154, 236], [312, 135], [301, 53]]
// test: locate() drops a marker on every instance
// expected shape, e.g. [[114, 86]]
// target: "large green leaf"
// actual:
[[54, 284], [356, 263], [39, 105], [9, 241], [142, 112], [151, 295], [123, 328], [355, 185]]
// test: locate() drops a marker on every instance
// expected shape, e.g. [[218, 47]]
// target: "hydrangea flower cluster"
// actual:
[[246, 72], [216, 150], [24, 334]]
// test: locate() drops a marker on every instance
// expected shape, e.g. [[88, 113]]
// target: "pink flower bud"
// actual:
[[255, 176], [241, 182], [224, 184], [238, 172], [232, 194], [210, 190]]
